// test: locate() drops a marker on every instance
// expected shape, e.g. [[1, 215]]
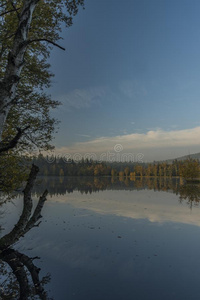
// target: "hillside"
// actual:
[[193, 156]]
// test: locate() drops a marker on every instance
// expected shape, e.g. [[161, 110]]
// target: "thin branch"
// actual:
[[45, 40], [9, 11], [3, 4], [31, 139], [15, 9]]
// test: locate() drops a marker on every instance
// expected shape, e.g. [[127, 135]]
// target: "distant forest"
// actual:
[[58, 166]]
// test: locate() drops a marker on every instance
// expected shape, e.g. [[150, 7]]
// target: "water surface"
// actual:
[[115, 239]]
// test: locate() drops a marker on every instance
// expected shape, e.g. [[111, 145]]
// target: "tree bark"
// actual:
[[8, 85]]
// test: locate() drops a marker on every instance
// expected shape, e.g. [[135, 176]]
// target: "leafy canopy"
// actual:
[[32, 105], [190, 169]]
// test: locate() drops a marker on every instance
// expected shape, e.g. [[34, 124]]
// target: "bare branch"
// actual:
[[37, 213]]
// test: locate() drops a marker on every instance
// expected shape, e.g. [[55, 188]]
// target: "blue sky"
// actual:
[[130, 75]]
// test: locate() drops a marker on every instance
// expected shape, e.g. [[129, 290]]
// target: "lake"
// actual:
[[112, 239]]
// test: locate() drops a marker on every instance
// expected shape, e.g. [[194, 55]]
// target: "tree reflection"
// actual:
[[191, 193], [19, 276], [85, 185], [90, 185]]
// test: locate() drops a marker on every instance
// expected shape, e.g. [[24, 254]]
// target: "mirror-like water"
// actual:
[[110, 239]]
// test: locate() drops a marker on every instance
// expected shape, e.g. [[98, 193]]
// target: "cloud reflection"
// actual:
[[157, 207]]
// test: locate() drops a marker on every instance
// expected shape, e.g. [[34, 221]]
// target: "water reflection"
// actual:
[[101, 235], [87, 185], [19, 276], [191, 193]]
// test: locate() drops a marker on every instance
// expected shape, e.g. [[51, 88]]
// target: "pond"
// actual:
[[105, 238]]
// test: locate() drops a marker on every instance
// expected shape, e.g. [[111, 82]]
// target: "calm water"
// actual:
[[104, 239]]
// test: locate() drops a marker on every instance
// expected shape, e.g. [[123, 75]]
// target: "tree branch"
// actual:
[[3, 4], [45, 40], [11, 144], [37, 213], [15, 9], [9, 11]]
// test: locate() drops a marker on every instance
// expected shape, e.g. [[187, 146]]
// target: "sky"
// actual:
[[129, 80]]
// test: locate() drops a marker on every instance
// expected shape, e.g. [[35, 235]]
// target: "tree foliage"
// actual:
[[31, 105], [190, 169], [51, 165], [28, 31]]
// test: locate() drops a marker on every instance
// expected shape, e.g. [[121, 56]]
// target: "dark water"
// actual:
[[107, 239]]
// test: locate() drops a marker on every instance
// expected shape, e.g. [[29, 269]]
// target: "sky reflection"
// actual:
[[117, 244], [152, 205]]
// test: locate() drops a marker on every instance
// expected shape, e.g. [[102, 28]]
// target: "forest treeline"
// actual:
[[58, 166]]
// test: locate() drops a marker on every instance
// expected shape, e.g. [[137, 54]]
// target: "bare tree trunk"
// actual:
[[8, 85]]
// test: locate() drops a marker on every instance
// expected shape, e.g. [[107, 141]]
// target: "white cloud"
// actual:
[[152, 140]]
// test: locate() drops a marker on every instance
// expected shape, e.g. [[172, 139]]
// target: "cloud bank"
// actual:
[[153, 141]]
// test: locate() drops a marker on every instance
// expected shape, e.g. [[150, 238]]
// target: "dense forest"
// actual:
[[58, 166]]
